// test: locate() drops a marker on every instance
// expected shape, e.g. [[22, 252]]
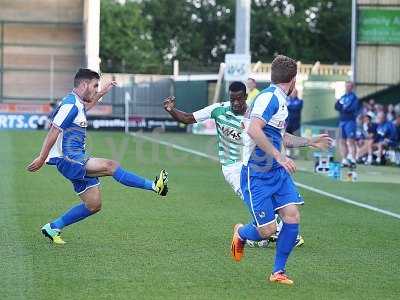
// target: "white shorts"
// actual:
[[232, 176]]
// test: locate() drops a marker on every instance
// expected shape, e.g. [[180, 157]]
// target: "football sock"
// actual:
[[284, 245], [351, 158], [131, 179], [73, 215], [249, 232], [279, 223]]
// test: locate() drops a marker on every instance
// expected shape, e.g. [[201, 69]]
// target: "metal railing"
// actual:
[[307, 69]]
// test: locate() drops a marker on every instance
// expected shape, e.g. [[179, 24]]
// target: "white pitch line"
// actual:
[[349, 201], [304, 186], [174, 146]]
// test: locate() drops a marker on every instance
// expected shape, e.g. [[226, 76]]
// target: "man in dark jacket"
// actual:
[[294, 105], [348, 109]]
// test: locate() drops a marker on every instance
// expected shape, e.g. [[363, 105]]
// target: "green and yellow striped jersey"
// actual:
[[229, 130]]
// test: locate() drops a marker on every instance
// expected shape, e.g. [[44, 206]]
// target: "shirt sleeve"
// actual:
[[205, 113], [65, 116], [338, 105], [265, 106], [352, 105]]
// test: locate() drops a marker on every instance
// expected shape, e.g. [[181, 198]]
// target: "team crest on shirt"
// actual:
[[83, 124]]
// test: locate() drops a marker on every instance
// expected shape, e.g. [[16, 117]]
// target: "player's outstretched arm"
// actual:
[[93, 102], [256, 133], [49, 141], [181, 116], [322, 141]]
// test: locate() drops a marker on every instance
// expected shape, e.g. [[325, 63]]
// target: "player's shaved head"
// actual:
[[237, 86], [85, 74], [238, 96], [283, 69]]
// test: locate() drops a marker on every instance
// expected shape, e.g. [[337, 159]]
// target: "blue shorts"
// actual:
[[265, 194], [75, 171], [347, 129]]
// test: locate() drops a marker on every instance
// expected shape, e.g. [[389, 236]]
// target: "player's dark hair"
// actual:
[[252, 79], [237, 86], [85, 74], [283, 69]]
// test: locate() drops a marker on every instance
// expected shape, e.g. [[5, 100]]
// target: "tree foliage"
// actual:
[[126, 43], [147, 35]]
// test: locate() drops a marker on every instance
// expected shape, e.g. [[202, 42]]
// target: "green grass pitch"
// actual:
[[141, 246]]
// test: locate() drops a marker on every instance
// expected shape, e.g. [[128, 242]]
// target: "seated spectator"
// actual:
[[371, 102], [397, 150], [386, 136], [391, 115], [397, 125], [366, 139], [397, 108]]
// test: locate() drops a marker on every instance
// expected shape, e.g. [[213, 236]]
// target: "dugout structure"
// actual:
[[375, 45], [42, 44]]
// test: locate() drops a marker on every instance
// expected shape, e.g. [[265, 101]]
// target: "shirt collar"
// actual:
[[77, 96], [279, 90]]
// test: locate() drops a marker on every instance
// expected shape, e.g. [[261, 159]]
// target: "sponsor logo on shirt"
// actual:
[[230, 132]]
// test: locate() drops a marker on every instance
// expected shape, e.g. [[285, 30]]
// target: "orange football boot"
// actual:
[[281, 278], [237, 246]]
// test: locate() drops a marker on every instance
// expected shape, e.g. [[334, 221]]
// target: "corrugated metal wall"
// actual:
[[41, 47]]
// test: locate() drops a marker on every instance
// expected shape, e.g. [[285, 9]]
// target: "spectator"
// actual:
[[348, 108], [252, 91], [365, 140], [391, 115], [397, 108], [386, 136], [54, 106], [397, 150], [397, 125], [295, 106], [371, 102]]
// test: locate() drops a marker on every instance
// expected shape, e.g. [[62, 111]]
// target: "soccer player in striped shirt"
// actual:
[[64, 148], [228, 117]]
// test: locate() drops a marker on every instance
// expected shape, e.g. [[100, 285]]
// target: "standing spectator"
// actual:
[[348, 108], [294, 105], [252, 91]]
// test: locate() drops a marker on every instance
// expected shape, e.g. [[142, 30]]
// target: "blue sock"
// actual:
[[132, 180], [249, 232], [73, 215], [284, 245]]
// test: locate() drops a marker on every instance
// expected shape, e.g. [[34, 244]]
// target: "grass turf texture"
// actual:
[[141, 246]]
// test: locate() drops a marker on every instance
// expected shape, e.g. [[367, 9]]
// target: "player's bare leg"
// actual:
[[344, 151], [92, 199], [100, 167], [351, 146]]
